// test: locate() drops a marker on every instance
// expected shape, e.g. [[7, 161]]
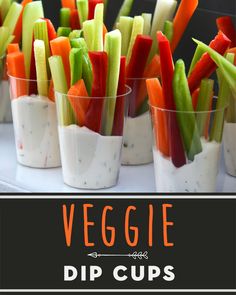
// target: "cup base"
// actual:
[[86, 186], [37, 166]]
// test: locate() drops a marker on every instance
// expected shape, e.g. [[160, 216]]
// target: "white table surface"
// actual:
[[17, 178]]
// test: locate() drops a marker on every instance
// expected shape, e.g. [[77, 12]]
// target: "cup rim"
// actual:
[[127, 92], [27, 80], [187, 112]]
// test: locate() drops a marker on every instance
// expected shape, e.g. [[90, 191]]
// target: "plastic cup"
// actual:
[[5, 103], [137, 147], [229, 138], [91, 159], [196, 171], [35, 125]]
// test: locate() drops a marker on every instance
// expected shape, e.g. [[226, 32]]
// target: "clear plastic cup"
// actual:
[[229, 138], [90, 159], [137, 146], [195, 170], [35, 125], [5, 103]]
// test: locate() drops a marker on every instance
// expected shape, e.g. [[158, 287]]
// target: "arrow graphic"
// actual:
[[135, 255]]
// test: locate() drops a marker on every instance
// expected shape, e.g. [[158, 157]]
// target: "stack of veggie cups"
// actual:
[[10, 20], [225, 24], [89, 80], [140, 47], [188, 122], [33, 107]]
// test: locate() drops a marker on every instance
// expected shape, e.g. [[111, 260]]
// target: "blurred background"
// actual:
[[202, 26]]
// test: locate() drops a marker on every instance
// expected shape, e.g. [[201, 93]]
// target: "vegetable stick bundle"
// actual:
[[90, 72], [140, 46], [32, 63], [183, 104], [74, 12]]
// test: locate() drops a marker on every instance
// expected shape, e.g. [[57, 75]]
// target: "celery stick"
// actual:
[[76, 65], [228, 69], [125, 27], [197, 56], [87, 73], [185, 112], [98, 27], [65, 113], [82, 6], [168, 30], [41, 33], [65, 17], [88, 29], [164, 11], [63, 31], [12, 17], [136, 30], [147, 17], [124, 10], [75, 34], [204, 103], [4, 35], [41, 67], [231, 112], [113, 49], [4, 8], [222, 102], [8, 41], [32, 12]]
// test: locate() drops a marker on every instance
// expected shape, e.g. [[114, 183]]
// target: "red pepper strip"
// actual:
[[152, 70], [226, 25], [18, 29], [74, 20], [205, 67], [195, 98], [167, 73], [136, 67], [93, 119], [51, 30], [92, 5], [120, 101]]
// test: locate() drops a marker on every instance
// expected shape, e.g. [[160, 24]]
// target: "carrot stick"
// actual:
[[68, 4], [61, 46], [79, 100], [183, 16], [51, 94], [18, 29], [195, 98], [159, 116], [153, 69], [13, 47], [16, 69], [104, 32]]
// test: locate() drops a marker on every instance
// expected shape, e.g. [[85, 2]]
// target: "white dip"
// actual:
[[230, 148], [197, 176], [137, 146], [36, 135], [5, 103], [89, 160]]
